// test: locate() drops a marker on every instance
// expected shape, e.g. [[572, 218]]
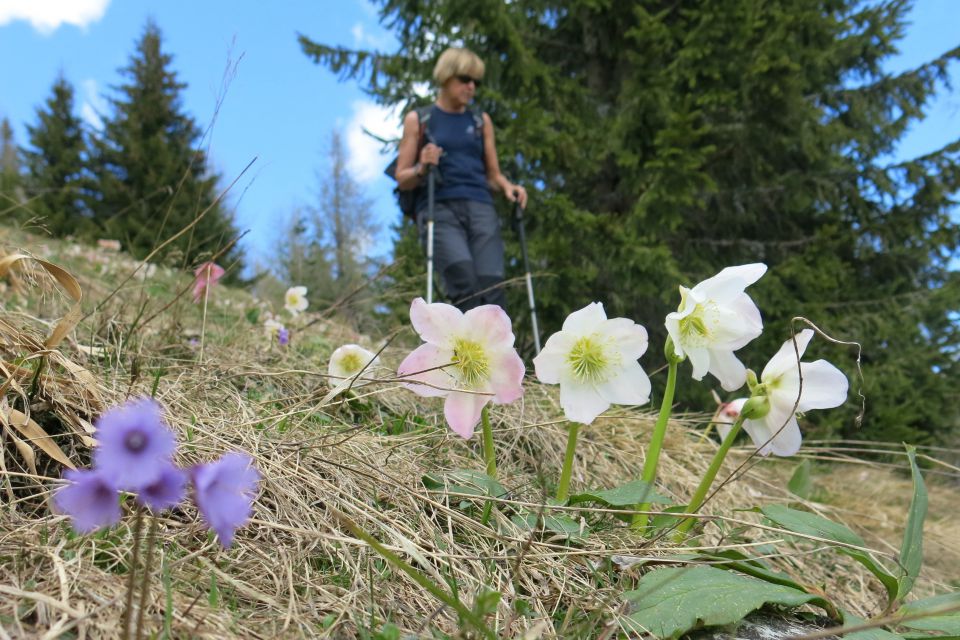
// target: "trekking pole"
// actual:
[[518, 212], [431, 179]]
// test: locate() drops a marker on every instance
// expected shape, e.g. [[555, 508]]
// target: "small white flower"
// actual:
[[595, 362], [350, 359], [714, 319], [824, 387], [295, 300], [272, 328]]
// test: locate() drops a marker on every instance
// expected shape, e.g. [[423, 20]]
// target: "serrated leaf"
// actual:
[[669, 602], [806, 523], [800, 484], [948, 622], [560, 524], [626, 495], [665, 521], [475, 483], [911, 551]]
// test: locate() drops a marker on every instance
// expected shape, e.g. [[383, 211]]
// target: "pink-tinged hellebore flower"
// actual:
[[349, 360], [594, 360], [824, 387], [224, 491], [90, 500], [208, 274], [468, 358], [727, 413], [135, 446], [714, 319], [166, 491]]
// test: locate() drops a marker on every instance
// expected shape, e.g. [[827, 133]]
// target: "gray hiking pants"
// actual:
[[467, 251]]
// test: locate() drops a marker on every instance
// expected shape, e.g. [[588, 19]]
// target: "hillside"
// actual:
[[299, 569]]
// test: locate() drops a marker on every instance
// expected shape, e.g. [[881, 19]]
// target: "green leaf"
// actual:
[[948, 622], [475, 483], [213, 599], [876, 633], [669, 602], [563, 525], [665, 521], [911, 552], [800, 484], [811, 524], [731, 559], [626, 495]]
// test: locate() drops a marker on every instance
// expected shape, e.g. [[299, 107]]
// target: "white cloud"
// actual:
[[47, 15], [93, 104], [366, 158], [362, 38]]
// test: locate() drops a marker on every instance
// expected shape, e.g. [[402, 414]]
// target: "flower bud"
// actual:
[[671, 353], [755, 408]]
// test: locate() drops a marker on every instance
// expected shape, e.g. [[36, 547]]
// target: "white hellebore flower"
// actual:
[[714, 319], [824, 387], [272, 328], [595, 362], [295, 300], [349, 359]]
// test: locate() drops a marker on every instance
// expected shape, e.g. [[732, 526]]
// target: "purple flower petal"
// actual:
[[135, 446], [90, 500], [166, 491], [283, 337], [224, 493]]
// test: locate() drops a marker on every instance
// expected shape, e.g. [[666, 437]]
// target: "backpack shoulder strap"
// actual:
[[423, 117]]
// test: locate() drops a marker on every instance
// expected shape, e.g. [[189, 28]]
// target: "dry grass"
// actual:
[[295, 571]]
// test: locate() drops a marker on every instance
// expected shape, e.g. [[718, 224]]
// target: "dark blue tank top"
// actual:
[[464, 176]]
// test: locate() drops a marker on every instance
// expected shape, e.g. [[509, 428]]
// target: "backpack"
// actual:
[[407, 199]]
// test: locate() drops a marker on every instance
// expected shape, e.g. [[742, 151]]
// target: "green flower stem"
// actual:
[[131, 577], [697, 501], [656, 441], [490, 455], [564, 486], [145, 579], [449, 599]]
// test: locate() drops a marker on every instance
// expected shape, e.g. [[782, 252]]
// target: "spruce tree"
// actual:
[[11, 191], [153, 177], [344, 220], [663, 142], [58, 176]]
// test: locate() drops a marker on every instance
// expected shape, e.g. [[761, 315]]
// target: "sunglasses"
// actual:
[[468, 79]]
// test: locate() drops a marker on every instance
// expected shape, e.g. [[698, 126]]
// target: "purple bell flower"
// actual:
[[90, 500], [224, 493], [135, 445], [166, 491]]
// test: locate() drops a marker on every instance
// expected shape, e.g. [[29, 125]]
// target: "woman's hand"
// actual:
[[430, 154], [516, 193]]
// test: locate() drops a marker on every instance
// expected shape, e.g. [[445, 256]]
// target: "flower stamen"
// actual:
[[589, 360], [471, 362]]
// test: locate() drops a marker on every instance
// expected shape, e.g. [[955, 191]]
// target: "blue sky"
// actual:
[[280, 107]]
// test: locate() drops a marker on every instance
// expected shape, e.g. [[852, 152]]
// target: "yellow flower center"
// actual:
[[589, 360], [470, 362], [351, 363], [695, 329]]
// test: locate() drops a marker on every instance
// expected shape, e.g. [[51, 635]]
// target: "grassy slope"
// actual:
[[295, 571]]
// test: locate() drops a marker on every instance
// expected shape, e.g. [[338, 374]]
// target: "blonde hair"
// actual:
[[457, 62]]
